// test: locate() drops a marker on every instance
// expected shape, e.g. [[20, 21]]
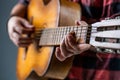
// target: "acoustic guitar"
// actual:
[[53, 19]]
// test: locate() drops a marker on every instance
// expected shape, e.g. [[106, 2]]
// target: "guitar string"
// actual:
[[40, 30], [79, 27], [88, 28], [86, 37], [37, 36], [88, 31], [38, 33]]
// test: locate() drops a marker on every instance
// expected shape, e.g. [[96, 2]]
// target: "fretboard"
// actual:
[[54, 36]]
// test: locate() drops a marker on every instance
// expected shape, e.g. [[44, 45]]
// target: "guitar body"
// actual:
[[42, 60]]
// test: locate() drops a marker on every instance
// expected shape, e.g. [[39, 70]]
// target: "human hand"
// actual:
[[69, 46], [18, 30]]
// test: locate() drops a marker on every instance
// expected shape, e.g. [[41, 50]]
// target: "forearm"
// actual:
[[19, 10]]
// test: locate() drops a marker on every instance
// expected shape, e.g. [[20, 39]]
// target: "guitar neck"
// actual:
[[54, 36], [99, 35]]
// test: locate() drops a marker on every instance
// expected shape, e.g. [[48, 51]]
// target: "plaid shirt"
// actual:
[[87, 66]]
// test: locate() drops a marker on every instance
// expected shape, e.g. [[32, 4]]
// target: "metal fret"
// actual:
[[53, 36], [98, 34]]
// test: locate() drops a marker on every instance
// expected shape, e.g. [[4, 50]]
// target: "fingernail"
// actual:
[[77, 22], [29, 25]]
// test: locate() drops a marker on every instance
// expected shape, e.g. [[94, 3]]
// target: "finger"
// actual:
[[71, 41], [20, 41], [23, 44], [76, 48], [84, 47], [63, 48], [23, 26], [58, 54], [15, 37], [80, 41], [77, 22], [22, 30], [25, 40], [26, 24], [68, 47], [64, 51], [81, 23]]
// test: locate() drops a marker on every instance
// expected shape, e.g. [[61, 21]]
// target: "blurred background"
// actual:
[[8, 51]]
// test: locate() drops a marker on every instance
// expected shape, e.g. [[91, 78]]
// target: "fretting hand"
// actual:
[[69, 46]]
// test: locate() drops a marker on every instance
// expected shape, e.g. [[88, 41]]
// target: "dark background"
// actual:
[[8, 51]]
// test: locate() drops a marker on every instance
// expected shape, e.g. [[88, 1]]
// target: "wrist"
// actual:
[[11, 16]]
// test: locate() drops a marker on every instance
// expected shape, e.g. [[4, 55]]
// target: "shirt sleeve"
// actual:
[[25, 2]]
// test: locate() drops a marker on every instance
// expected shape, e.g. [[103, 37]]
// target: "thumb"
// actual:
[[26, 24], [81, 23]]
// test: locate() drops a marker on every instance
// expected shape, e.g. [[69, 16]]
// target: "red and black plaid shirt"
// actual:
[[87, 66]]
